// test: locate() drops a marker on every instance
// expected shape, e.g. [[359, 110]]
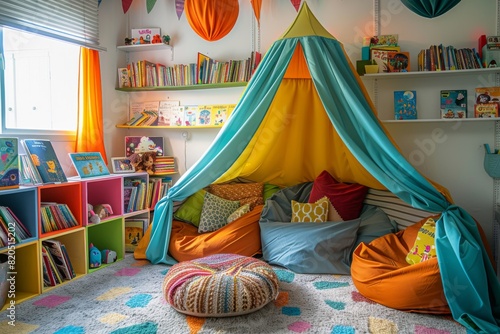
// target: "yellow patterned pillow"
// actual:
[[316, 212], [424, 248]]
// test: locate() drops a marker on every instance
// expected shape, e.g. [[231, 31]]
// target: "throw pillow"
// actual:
[[346, 198], [251, 193], [244, 209], [310, 212], [269, 190], [215, 212], [190, 210], [424, 247]]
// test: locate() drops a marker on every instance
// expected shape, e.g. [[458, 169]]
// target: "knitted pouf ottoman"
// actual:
[[220, 285]]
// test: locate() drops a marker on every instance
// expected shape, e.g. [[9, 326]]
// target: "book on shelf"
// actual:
[[204, 115], [453, 103], [54, 249], [177, 116], [53, 278], [142, 144], [123, 77], [44, 159], [447, 58], [398, 61], [190, 112], [12, 226], [134, 231], [384, 40], [405, 104], [486, 110], [129, 195], [89, 164], [165, 112], [9, 163], [137, 199], [220, 112], [487, 94]]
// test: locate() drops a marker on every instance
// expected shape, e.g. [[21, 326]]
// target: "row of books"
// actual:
[[448, 58], [134, 195], [158, 188], [12, 230], [170, 113], [453, 103], [57, 265], [56, 217], [145, 73]]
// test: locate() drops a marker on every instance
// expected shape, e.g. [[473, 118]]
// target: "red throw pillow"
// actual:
[[346, 198]]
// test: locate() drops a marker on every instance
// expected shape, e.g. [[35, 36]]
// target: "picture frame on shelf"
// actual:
[[122, 165]]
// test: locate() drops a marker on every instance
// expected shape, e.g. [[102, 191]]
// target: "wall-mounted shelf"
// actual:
[[437, 120], [419, 74], [123, 126], [147, 47], [191, 87]]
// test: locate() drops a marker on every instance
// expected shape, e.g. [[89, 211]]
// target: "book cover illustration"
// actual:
[[204, 117], [142, 144], [134, 231], [220, 113], [123, 78], [454, 103], [45, 160], [165, 117], [190, 112], [89, 164], [177, 116], [9, 163], [398, 61], [405, 104], [486, 110]]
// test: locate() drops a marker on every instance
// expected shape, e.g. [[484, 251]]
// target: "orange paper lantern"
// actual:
[[211, 19]]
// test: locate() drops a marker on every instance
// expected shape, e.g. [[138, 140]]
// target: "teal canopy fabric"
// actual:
[[430, 8], [469, 280]]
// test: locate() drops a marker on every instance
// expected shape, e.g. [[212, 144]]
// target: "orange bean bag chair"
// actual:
[[380, 272], [241, 237]]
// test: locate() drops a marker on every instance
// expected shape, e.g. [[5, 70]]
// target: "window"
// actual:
[[39, 83]]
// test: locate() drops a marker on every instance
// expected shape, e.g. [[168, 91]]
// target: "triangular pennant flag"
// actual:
[[126, 5], [150, 4], [256, 5], [179, 8], [98, 3], [296, 4]]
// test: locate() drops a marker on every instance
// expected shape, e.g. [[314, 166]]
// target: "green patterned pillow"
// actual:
[[215, 212], [242, 210], [190, 210]]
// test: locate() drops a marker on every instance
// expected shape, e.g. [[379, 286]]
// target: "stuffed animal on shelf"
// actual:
[[108, 256], [98, 212], [95, 260]]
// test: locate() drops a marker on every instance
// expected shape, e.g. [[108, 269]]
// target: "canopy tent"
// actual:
[[305, 110]]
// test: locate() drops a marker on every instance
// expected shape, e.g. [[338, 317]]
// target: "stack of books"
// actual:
[[164, 165], [40, 164]]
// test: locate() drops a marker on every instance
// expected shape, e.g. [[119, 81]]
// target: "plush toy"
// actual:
[[94, 257], [98, 212], [91, 216], [156, 39], [108, 256]]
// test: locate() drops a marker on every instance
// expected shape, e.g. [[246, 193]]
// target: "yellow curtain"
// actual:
[[90, 135], [211, 19]]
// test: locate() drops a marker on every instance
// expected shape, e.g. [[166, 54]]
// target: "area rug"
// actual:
[[126, 298]]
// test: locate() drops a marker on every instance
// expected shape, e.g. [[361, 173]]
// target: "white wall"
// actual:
[[455, 162]]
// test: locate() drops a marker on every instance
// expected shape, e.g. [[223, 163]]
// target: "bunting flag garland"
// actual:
[[126, 5], [150, 4], [256, 5], [296, 4], [179, 8]]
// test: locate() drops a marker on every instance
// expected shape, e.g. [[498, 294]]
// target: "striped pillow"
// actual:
[[399, 211]]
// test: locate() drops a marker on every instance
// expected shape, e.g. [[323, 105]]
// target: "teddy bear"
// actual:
[[98, 212]]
